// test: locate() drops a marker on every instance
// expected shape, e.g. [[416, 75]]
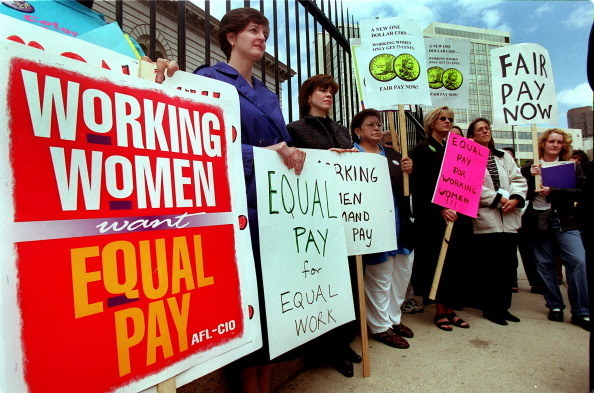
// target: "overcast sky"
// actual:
[[562, 27]]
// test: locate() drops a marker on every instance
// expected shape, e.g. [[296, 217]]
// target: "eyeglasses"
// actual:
[[389, 143], [443, 118], [373, 125]]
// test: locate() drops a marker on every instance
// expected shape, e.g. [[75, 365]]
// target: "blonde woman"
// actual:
[[554, 225]]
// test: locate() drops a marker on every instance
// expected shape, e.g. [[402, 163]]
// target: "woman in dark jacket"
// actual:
[[551, 218], [315, 130], [430, 225]]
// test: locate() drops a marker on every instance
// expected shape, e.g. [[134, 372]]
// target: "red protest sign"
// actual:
[[122, 229]]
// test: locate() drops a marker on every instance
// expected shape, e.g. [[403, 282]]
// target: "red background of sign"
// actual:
[[32, 163], [81, 353], [58, 349]]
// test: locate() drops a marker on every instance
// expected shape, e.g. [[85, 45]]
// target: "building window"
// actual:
[[144, 42]]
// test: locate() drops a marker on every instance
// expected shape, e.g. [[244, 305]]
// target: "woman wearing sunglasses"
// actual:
[[430, 224]]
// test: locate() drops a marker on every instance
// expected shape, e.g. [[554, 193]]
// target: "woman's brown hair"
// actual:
[[235, 21], [307, 88]]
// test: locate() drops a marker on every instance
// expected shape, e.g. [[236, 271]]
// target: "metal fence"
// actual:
[[307, 37]]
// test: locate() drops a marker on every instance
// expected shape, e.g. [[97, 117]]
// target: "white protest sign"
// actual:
[[305, 270], [523, 86], [355, 49], [176, 302], [392, 63], [448, 71], [367, 206]]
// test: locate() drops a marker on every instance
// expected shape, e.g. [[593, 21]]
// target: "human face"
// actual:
[[320, 101], [443, 123], [553, 145], [482, 133], [370, 130], [249, 43]]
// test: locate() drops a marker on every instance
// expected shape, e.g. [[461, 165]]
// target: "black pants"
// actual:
[[495, 259]]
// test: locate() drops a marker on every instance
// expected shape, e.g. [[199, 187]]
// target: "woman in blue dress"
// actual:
[[242, 36]]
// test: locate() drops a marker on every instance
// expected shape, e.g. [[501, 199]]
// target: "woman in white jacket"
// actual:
[[496, 226]]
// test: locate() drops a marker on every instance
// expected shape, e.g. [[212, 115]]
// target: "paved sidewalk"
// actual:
[[535, 355]]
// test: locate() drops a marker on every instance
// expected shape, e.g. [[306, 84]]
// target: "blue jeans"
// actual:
[[573, 256]]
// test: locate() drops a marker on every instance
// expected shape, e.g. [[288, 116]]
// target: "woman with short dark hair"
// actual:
[[387, 274], [242, 36], [316, 130]]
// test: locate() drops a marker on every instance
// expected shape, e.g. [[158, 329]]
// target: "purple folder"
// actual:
[[559, 176]]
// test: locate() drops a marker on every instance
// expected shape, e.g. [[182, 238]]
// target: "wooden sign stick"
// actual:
[[403, 145], [363, 317], [442, 254], [146, 71], [167, 386], [534, 132], [392, 126]]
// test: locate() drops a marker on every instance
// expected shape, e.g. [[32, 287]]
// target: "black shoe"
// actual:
[[582, 321], [345, 367], [510, 317], [495, 318], [353, 356], [536, 289], [555, 314]]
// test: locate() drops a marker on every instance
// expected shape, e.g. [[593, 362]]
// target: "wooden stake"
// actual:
[[403, 145], [363, 318], [167, 386], [534, 132], [393, 133], [442, 254]]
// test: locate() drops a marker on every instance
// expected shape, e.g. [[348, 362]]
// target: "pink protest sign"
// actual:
[[461, 175]]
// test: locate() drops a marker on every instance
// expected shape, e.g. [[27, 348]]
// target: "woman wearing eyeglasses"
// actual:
[[496, 226], [430, 224], [387, 274]]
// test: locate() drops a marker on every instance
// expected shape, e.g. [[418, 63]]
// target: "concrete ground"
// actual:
[[534, 355]]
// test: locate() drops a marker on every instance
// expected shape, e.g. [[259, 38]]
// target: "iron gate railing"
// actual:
[[315, 39]]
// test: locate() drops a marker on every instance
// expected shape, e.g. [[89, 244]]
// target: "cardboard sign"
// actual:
[[123, 231], [448, 71], [392, 63], [366, 202], [523, 85], [307, 287], [461, 175]]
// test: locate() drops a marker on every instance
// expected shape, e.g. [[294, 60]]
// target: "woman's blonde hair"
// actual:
[[566, 150], [433, 116]]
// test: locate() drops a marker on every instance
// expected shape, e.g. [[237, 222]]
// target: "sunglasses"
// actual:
[[443, 118]]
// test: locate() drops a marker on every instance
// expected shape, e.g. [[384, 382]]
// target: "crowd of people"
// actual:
[[515, 210], [510, 199]]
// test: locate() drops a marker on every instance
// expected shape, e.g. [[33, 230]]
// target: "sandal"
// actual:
[[444, 325], [457, 321]]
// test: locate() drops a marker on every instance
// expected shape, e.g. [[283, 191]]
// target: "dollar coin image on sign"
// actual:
[[452, 79], [434, 75], [381, 67], [407, 67]]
